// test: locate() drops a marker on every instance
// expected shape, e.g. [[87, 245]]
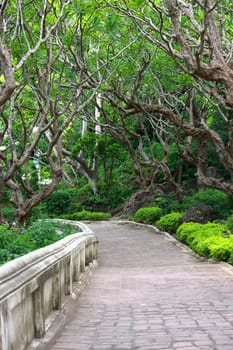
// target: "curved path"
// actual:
[[149, 293]]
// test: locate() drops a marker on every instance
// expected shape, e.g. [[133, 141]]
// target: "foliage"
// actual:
[[198, 213], [148, 215], [58, 203], [186, 229], [220, 202], [136, 146], [12, 244], [221, 248], [168, 203], [8, 212], [40, 234], [109, 198], [169, 222], [210, 240], [229, 222], [87, 215], [15, 242]]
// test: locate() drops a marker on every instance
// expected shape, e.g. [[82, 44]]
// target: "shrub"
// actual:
[[229, 222], [6, 236], [167, 202], [186, 229], [210, 240], [8, 212], [221, 248], [14, 243], [148, 215], [230, 260], [87, 215], [58, 202], [169, 222], [40, 234], [221, 203], [198, 213], [217, 247], [108, 197]]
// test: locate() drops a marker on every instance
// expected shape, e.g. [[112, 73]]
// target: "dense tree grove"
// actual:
[[113, 98]]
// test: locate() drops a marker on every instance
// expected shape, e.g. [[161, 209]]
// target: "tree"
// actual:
[[98, 26], [196, 35], [131, 74], [46, 99]]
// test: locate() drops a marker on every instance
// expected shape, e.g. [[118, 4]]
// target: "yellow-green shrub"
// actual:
[[210, 240], [148, 215], [169, 222], [87, 215], [186, 229]]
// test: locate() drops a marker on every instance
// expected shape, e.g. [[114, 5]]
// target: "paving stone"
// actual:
[[149, 294]]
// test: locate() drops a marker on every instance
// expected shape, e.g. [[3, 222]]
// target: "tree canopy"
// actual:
[[104, 88]]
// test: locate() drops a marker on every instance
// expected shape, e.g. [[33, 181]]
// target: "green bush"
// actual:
[[186, 229], [210, 240], [58, 202], [40, 234], [168, 203], [230, 260], [8, 212], [87, 215], [169, 222], [221, 203], [15, 243], [221, 248], [12, 245], [229, 222], [148, 215], [213, 246]]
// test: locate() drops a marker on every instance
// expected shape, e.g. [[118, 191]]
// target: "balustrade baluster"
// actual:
[[39, 323]]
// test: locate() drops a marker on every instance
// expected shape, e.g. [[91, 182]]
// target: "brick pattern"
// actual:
[[149, 294]]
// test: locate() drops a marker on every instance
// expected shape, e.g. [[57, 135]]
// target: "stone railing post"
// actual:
[[76, 260], [68, 279], [4, 324], [39, 322], [87, 254], [56, 285], [82, 260]]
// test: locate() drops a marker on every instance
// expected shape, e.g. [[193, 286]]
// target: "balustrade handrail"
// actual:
[[32, 286]]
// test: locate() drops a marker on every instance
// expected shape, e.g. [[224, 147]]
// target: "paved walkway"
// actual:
[[150, 294]]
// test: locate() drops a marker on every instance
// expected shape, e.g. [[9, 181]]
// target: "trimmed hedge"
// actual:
[[87, 215], [148, 215], [169, 222], [210, 240]]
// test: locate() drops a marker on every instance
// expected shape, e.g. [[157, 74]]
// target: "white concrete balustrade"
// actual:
[[33, 286]]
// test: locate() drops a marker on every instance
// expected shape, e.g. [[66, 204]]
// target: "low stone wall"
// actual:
[[32, 286]]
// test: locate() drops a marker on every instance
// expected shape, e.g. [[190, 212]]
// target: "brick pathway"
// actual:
[[149, 294]]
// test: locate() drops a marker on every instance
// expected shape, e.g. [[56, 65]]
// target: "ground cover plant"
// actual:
[[16, 242]]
